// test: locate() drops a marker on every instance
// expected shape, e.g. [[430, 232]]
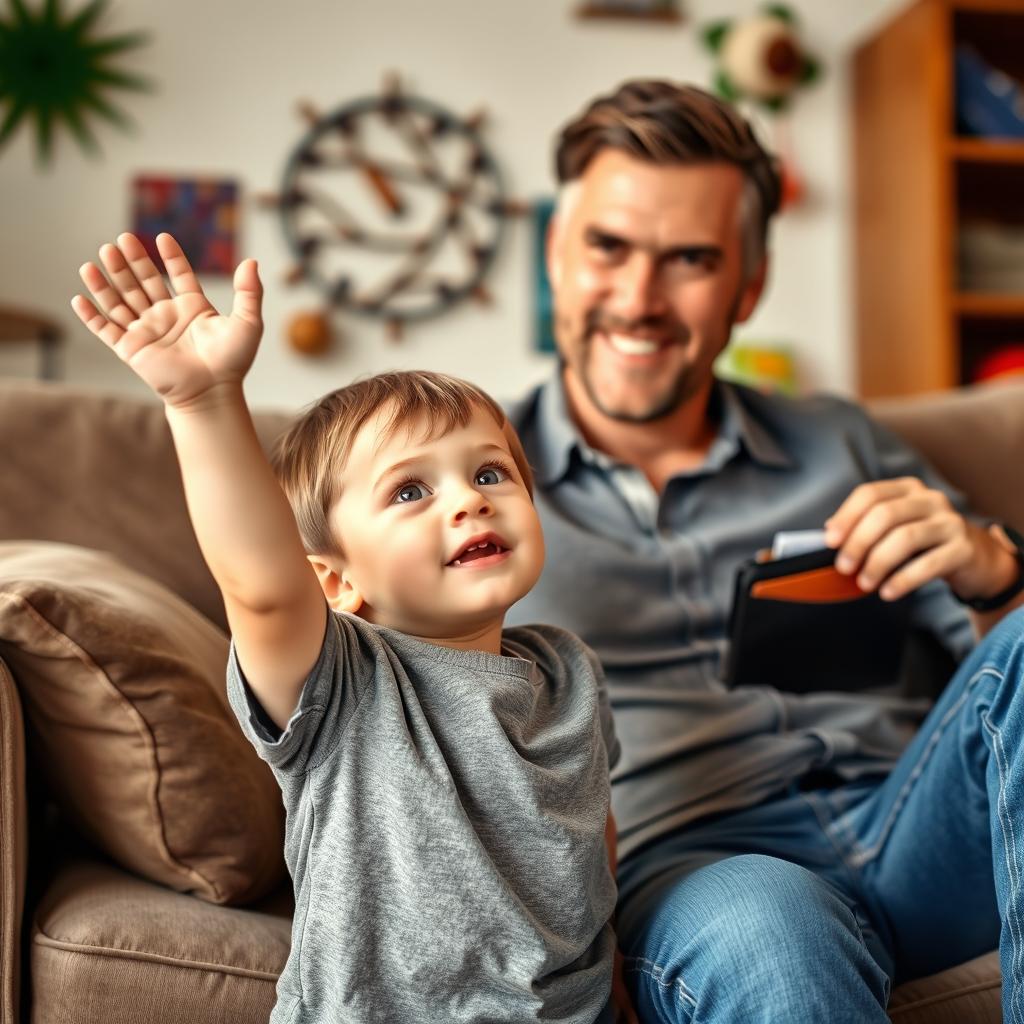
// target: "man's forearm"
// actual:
[[242, 520]]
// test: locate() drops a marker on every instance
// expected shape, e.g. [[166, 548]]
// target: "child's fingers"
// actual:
[[106, 297], [151, 280], [248, 293], [123, 278], [109, 333], [183, 279]]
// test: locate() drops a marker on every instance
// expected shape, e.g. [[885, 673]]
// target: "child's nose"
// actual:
[[470, 503]]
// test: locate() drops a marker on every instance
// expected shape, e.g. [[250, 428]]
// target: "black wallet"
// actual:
[[798, 624]]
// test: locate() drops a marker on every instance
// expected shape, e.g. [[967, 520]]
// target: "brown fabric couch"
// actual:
[[92, 776]]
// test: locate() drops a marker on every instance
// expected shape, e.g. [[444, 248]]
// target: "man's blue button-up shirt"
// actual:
[[646, 579]]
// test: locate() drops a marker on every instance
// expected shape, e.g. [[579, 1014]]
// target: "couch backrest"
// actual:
[[974, 437], [100, 471]]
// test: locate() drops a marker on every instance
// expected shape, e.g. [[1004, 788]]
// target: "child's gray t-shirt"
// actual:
[[446, 815]]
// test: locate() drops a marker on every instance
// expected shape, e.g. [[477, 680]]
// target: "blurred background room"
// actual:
[[389, 164]]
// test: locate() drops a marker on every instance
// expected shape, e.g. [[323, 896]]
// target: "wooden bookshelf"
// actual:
[[988, 305], [984, 151], [915, 182]]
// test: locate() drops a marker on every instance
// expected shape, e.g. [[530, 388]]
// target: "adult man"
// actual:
[[783, 857]]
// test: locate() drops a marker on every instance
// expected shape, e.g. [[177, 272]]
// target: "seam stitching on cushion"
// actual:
[[150, 741], [41, 939]]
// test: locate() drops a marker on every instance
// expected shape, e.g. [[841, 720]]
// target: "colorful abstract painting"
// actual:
[[201, 213]]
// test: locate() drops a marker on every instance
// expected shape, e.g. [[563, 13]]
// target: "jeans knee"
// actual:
[[764, 912], [756, 935]]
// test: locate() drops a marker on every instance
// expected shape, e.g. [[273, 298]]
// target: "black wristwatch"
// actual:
[[1014, 543]]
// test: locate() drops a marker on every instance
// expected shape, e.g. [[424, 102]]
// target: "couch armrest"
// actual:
[[13, 844]]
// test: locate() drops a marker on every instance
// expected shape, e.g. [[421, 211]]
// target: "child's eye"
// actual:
[[408, 492], [492, 475]]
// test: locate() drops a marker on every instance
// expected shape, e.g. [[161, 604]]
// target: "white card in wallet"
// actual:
[[797, 542]]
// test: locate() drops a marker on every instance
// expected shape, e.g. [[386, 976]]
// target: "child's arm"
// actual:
[[195, 360]]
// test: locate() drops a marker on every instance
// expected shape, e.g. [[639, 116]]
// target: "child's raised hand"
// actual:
[[177, 343]]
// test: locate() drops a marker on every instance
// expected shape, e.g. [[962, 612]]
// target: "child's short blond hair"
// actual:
[[310, 456]]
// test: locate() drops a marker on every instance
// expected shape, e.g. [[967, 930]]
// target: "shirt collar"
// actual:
[[555, 429], [760, 441], [560, 437]]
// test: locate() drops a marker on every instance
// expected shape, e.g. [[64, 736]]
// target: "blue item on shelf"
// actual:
[[988, 102]]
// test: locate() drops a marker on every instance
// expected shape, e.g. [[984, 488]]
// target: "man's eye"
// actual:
[[491, 475], [605, 244], [407, 493], [695, 258]]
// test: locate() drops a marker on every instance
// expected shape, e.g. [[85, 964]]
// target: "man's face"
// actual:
[[409, 508], [645, 262]]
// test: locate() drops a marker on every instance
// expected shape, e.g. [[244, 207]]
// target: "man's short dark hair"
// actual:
[[665, 123]]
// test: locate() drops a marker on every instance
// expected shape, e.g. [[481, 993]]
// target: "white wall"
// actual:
[[229, 74]]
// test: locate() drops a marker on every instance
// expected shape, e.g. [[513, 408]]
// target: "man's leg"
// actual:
[[899, 878], [939, 846], [712, 933]]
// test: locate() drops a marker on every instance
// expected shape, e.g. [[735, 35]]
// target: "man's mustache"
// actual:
[[599, 320]]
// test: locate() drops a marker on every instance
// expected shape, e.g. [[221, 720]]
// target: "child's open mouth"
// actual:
[[488, 549]]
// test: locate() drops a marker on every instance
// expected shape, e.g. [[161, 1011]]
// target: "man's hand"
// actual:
[[178, 344], [897, 535]]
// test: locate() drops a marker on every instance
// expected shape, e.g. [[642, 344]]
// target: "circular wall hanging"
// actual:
[[393, 207]]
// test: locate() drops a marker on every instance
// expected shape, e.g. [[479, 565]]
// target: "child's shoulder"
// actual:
[[545, 631], [552, 643]]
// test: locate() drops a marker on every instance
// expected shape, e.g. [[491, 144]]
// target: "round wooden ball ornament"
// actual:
[[309, 333]]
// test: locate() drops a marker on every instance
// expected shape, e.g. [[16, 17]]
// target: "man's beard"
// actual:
[[682, 387], [688, 381]]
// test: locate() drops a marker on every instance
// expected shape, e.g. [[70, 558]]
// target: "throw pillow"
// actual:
[[123, 689]]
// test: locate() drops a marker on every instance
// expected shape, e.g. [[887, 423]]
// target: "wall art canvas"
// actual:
[[543, 302], [201, 213]]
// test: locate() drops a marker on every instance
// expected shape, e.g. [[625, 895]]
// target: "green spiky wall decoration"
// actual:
[[53, 68], [760, 58]]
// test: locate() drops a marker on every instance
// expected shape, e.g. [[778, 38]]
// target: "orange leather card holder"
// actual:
[[815, 586]]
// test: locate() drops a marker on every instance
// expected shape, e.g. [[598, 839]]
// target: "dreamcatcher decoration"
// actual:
[[762, 59], [394, 208]]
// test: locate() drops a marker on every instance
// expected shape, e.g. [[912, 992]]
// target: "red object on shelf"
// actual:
[[1004, 362]]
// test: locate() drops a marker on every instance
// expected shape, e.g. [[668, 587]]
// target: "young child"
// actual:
[[445, 780]]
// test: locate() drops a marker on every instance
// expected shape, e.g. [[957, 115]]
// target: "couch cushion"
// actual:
[[107, 946], [967, 994], [123, 687], [99, 471], [12, 843], [110, 947]]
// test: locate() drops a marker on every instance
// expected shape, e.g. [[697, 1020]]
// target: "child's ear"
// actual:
[[340, 590]]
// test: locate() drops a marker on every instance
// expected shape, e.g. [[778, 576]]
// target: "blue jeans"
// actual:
[[811, 906]]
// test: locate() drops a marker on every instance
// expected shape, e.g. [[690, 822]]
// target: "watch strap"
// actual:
[[990, 604]]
